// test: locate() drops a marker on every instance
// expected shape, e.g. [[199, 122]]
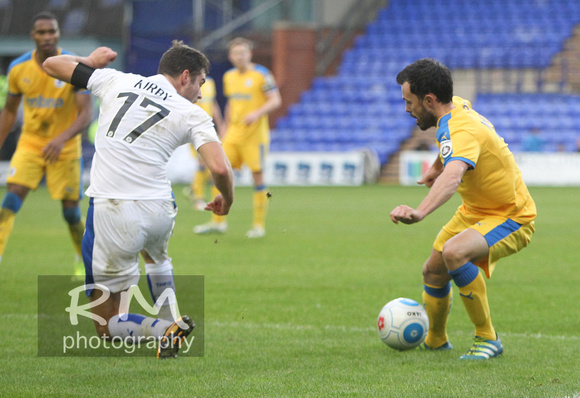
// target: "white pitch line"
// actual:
[[355, 329], [342, 328]]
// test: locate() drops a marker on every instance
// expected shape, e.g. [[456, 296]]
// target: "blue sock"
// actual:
[[72, 215], [438, 292], [465, 274], [12, 202]]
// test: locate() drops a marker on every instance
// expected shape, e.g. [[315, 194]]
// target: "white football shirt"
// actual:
[[141, 122]]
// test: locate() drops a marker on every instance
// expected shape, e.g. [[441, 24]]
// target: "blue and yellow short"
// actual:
[[251, 154], [63, 177], [503, 235]]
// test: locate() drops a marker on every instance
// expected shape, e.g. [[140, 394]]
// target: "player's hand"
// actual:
[[251, 118], [429, 177], [427, 180], [406, 215], [219, 206], [102, 57], [52, 150]]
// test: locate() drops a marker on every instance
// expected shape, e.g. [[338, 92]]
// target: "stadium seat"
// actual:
[[362, 105]]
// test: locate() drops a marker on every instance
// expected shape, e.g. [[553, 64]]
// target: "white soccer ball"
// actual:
[[403, 324]]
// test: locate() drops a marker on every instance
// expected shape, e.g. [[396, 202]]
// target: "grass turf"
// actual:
[[294, 314]]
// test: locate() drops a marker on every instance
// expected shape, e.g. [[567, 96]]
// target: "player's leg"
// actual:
[[196, 192], [437, 299], [260, 202], [483, 243], [113, 322], [71, 212], [25, 172], [11, 204], [255, 158], [63, 180], [160, 216], [198, 185], [459, 254], [161, 285], [111, 245]]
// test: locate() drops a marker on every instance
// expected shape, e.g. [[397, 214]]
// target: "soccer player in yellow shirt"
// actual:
[[495, 219], [50, 145], [252, 94]]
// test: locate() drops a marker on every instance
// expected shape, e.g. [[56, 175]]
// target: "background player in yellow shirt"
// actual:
[[495, 219], [252, 94], [54, 114], [201, 179]]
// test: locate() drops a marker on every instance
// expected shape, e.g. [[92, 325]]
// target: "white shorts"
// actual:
[[117, 231]]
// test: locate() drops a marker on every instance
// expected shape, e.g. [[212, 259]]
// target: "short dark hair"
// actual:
[[428, 76], [241, 41], [44, 15], [181, 57]]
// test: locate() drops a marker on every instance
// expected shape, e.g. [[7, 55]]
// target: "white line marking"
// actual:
[[355, 329], [341, 328]]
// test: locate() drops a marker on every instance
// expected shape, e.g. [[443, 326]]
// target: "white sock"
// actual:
[[160, 278], [136, 326]]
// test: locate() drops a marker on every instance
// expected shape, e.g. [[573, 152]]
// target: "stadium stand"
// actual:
[[102, 18], [515, 115], [361, 106]]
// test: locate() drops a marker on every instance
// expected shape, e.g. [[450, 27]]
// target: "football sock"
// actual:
[[160, 278], [473, 292], [76, 232], [437, 302], [199, 183], [260, 206], [76, 227], [10, 206], [136, 326]]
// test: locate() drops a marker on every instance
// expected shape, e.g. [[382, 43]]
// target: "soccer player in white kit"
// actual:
[[142, 121]]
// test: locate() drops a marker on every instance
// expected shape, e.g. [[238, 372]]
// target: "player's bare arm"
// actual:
[[8, 116], [51, 151], [431, 175], [442, 190], [223, 177], [273, 102], [62, 66]]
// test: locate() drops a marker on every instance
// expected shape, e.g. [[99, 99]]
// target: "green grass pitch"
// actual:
[[294, 314]]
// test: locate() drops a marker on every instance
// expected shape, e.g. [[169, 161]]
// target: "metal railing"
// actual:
[[235, 23], [332, 44]]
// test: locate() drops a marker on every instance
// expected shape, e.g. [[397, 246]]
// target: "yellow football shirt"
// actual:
[[493, 184], [49, 106], [246, 92], [208, 94]]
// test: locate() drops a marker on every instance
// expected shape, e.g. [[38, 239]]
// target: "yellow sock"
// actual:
[[76, 232], [260, 208], [437, 302], [474, 296], [199, 183], [215, 218], [6, 223]]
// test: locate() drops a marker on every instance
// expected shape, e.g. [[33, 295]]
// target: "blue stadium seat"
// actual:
[[362, 105]]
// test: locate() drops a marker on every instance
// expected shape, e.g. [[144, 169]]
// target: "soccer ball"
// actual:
[[403, 324]]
